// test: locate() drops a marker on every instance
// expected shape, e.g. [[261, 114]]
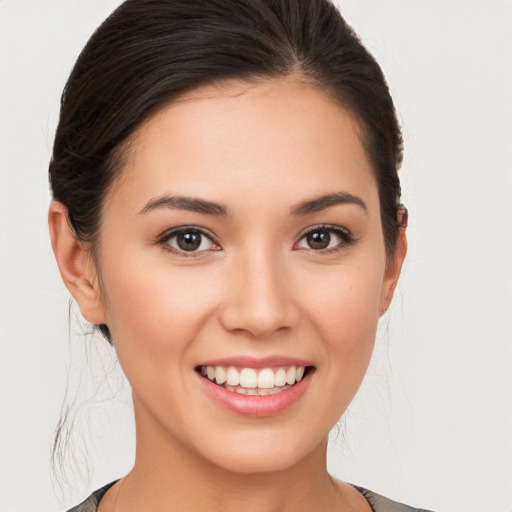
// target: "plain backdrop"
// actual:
[[431, 425]]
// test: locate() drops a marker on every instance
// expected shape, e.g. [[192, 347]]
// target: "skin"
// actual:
[[258, 290]]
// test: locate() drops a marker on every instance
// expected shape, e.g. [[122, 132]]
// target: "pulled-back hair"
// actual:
[[148, 52]]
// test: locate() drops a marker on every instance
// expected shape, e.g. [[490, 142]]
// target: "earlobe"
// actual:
[[394, 264], [75, 265]]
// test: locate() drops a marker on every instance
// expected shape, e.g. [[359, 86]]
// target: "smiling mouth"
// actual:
[[254, 381]]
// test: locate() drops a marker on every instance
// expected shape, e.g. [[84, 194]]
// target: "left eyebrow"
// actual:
[[323, 202]]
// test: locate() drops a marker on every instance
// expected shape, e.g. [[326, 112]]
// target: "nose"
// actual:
[[258, 299]]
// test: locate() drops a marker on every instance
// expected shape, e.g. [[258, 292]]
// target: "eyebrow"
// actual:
[[191, 204], [327, 201], [194, 204]]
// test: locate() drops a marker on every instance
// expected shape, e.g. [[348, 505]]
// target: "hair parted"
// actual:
[[148, 52]]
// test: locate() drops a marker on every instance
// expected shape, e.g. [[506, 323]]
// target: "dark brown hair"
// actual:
[[150, 51]]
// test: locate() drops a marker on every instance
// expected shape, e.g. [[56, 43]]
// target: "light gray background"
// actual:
[[432, 424]]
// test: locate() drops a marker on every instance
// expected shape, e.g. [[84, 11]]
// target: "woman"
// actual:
[[227, 212]]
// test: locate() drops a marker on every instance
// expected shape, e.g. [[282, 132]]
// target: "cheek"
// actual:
[[156, 314], [154, 306], [348, 300], [346, 312]]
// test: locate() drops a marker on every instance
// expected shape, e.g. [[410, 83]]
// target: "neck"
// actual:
[[169, 476]]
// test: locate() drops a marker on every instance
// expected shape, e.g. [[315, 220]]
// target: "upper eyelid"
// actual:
[[326, 227], [176, 230]]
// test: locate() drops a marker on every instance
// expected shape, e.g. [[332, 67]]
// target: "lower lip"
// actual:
[[255, 405]]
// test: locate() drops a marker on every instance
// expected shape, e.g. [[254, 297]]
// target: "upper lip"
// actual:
[[271, 361]]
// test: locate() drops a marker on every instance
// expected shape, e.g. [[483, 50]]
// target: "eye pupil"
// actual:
[[319, 239], [189, 240]]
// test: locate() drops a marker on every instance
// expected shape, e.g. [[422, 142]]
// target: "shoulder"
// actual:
[[91, 503], [381, 504]]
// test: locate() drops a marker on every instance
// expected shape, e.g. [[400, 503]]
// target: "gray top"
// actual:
[[377, 502]]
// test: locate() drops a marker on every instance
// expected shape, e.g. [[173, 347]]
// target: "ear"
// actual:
[[76, 265], [394, 263]]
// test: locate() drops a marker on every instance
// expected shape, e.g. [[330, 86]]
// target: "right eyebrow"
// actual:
[[191, 204]]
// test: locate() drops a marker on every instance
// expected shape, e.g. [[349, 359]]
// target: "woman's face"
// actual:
[[244, 238]]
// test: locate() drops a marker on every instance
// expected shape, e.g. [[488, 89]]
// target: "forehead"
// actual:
[[272, 139]]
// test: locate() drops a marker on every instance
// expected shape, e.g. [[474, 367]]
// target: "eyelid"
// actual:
[[164, 238], [343, 233]]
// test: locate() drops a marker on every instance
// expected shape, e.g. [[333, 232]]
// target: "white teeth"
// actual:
[[280, 378], [220, 375], [291, 375], [266, 379], [248, 378], [250, 381], [232, 376]]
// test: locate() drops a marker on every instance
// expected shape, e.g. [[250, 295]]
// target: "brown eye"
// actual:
[[318, 239], [325, 238], [189, 241]]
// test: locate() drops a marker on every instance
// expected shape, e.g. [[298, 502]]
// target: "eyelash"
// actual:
[[344, 235], [163, 240]]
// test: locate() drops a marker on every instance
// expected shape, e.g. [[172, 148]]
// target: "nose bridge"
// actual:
[[258, 298]]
